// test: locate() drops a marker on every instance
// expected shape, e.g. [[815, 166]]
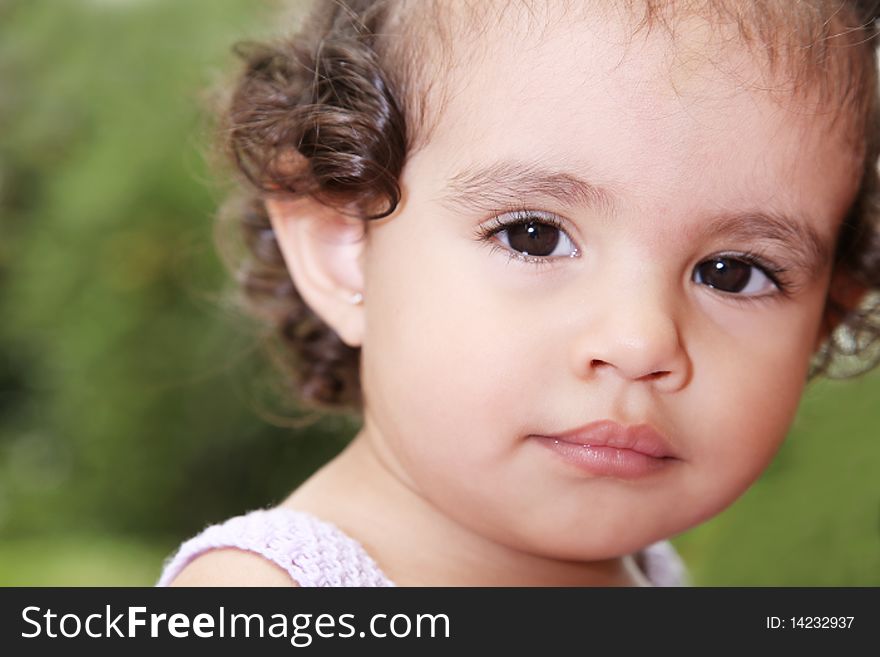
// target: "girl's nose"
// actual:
[[636, 337]]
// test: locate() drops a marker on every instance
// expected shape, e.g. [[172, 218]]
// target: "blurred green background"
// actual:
[[134, 405]]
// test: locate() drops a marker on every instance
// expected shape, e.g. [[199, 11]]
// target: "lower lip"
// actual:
[[607, 461]]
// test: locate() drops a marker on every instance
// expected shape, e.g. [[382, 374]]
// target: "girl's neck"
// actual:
[[415, 544]]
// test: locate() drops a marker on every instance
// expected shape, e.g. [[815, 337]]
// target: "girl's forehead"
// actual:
[[667, 89], [802, 54], [772, 41]]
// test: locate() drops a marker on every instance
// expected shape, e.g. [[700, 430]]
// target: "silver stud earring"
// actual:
[[355, 298]]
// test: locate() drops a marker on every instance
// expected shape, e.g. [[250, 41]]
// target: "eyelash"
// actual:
[[775, 273], [518, 217]]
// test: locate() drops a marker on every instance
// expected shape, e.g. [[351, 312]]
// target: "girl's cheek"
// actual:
[[740, 425], [768, 342]]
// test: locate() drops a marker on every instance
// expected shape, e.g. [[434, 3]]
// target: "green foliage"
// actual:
[[80, 560], [122, 402]]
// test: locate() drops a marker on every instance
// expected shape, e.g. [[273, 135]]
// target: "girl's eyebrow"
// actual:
[[501, 185], [498, 185]]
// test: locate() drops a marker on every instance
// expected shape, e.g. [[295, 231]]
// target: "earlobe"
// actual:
[[322, 249]]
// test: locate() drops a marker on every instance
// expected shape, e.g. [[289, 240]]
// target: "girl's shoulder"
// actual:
[[231, 567], [272, 547]]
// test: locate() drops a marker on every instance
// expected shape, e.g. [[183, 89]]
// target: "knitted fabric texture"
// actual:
[[316, 553], [313, 552]]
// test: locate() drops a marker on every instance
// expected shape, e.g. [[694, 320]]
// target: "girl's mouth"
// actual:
[[606, 448]]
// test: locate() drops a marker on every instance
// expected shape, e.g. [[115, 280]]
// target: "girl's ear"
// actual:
[[844, 295], [323, 250]]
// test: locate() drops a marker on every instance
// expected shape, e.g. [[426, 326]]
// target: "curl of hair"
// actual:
[[314, 115], [853, 347]]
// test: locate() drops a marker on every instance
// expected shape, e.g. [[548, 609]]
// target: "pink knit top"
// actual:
[[316, 553]]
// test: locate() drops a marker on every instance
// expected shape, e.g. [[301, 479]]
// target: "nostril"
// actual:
[[596, 364], [656, 375]]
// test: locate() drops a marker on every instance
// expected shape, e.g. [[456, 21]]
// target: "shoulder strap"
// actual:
[[311, 551]]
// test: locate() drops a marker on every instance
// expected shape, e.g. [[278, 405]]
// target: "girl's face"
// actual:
[[680, 223]]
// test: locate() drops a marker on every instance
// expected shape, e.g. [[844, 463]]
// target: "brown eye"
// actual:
[[733, 275], [536, 238], [533, 238]]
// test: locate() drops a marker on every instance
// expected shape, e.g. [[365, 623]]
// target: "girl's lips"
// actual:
[[641, 438], [607, 448]]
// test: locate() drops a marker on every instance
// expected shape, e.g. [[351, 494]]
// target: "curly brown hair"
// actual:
[[334, 112]]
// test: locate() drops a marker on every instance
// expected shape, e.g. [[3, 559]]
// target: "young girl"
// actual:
[[573, 262]]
